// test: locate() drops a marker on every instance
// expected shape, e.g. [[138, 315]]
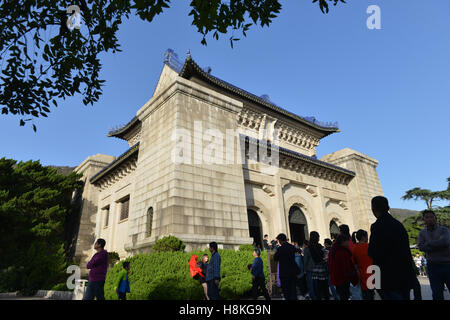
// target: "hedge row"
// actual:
[[165, 276]]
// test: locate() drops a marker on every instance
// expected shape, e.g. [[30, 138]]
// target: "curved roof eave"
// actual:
[[190, 68], [300, 156], [119, 133], [120, 159]]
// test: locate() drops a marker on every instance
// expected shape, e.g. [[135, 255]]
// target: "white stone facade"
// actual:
[[200, 202]]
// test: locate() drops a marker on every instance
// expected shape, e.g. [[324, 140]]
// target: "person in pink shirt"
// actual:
[[98, 267]]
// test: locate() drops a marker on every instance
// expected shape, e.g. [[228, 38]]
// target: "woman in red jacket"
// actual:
[[342, 269]]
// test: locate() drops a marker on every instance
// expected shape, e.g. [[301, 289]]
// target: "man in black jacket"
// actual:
[[285, 255], [389, 249]]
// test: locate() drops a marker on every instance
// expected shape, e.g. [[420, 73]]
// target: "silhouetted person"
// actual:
[[274, 244], [328, 244], [288, 269], [345, 231], [301, 277], [258, 277], [320, 269], [389, 250], [213, 273], [363, 262], [434, 240], [342, 270], [308, 265], [266, 242], [417, 290]]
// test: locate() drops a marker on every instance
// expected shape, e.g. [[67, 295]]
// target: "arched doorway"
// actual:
[[255, 227], [334, 229], [298, 226]]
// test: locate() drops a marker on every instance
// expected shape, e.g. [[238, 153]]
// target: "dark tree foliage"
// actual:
[[35, 204], [427, 196], [43, 60]]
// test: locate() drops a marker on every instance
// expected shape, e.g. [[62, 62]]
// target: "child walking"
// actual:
[[122, 282]]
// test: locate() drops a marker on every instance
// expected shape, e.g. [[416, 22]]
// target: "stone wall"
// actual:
[[363, 187], [197, 202], [200, 202], [116, 232], [86, 233], [154, 176], [272, 196]]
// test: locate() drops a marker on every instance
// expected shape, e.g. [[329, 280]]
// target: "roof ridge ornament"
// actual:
[[207, 69], [187, 72], [265, 97], [188, 56], [171, 59]]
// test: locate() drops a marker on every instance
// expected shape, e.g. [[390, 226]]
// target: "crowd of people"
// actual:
[[346, 267], [351, 266], [421, 264], [318, 272]]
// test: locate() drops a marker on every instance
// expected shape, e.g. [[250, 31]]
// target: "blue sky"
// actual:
[[389, 89]]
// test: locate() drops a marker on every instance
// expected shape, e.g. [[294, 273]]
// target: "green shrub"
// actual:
[[246, 247], [165, 275], [113, 257], [416, 251], [169, 243]]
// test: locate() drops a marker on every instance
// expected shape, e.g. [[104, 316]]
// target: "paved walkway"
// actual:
[[426, 289], [13, 297], [424, 283]]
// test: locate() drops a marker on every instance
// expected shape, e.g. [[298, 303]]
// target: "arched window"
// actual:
[[149, 221]]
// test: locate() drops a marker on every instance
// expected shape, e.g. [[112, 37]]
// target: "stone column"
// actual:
[[363, 187]]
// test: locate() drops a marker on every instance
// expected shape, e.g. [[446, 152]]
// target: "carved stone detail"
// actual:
[[268, 189], [284, 182], [118, 174], [253, 120], [304, 167], [312, 190], [343, 204], [135, 139]]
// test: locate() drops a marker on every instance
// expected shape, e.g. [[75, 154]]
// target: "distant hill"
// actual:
[[402, 214], [65, 170]]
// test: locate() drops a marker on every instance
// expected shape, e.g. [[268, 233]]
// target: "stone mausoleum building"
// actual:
[[145, 194]]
